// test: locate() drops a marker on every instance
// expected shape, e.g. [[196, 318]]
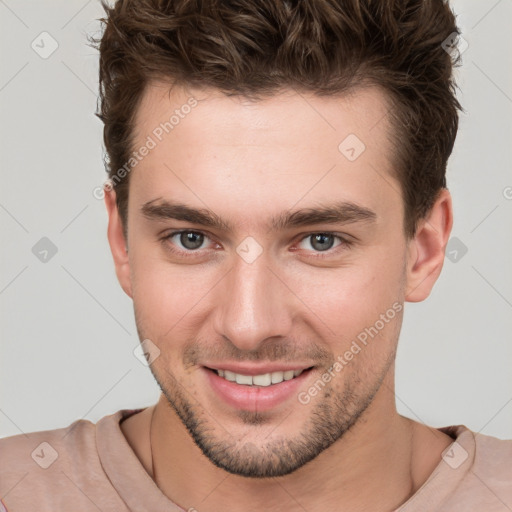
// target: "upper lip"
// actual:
[[253, 369]]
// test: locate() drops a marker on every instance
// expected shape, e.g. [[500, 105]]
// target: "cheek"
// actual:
[[359, 302], [167, 297], [354, 294]]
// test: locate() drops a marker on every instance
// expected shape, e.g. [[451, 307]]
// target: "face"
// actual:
[[265, 242]]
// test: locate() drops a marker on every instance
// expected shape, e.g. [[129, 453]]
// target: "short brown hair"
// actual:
[[255, 48]]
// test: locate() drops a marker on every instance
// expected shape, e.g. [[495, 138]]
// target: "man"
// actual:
[[276, 194]]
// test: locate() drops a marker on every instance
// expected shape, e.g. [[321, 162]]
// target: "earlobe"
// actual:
[[427, 249], [118, 243]]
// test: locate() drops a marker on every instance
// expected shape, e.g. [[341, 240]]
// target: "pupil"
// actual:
[[321, 238], [191, 240]]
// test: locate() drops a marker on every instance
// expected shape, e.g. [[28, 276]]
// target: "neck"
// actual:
[[371, 467]]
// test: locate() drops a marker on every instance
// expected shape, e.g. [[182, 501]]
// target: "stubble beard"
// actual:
[[332, 415]]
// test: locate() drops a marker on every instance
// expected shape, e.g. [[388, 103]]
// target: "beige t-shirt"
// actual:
[[91, 467]]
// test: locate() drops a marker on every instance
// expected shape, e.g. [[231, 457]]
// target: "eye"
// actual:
[[322, 242], [189, 240]]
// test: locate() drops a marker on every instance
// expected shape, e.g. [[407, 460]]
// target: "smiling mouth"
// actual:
[[263, 380]]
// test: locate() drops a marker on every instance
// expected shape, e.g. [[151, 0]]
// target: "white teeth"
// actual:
[[288, 375], [277, 377], [264, 380], [229, 375], [243, 379]]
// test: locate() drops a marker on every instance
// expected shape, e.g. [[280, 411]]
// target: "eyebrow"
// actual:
[[342, 212]]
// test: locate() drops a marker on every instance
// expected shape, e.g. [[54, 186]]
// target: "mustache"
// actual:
[[197, 352]]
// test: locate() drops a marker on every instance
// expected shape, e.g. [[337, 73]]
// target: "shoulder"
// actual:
[[45, 467], [39, 461], [493, 457], [487, 481], [42, 449]]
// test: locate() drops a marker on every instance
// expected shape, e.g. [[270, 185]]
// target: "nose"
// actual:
[[254, 304]]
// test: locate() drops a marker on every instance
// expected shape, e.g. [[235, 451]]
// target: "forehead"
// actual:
[[286, 149], [290, 114]]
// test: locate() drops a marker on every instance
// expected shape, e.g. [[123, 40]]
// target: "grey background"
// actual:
[[67, 328]]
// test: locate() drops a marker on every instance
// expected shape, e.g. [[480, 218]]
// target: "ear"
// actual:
[[427, 249], [117, 242]]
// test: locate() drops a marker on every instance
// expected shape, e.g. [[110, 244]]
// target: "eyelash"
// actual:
[[344, 243]]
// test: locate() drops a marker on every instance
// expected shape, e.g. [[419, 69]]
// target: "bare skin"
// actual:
[[248, 162]]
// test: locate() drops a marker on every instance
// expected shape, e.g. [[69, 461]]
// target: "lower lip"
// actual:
[[255, 398]]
